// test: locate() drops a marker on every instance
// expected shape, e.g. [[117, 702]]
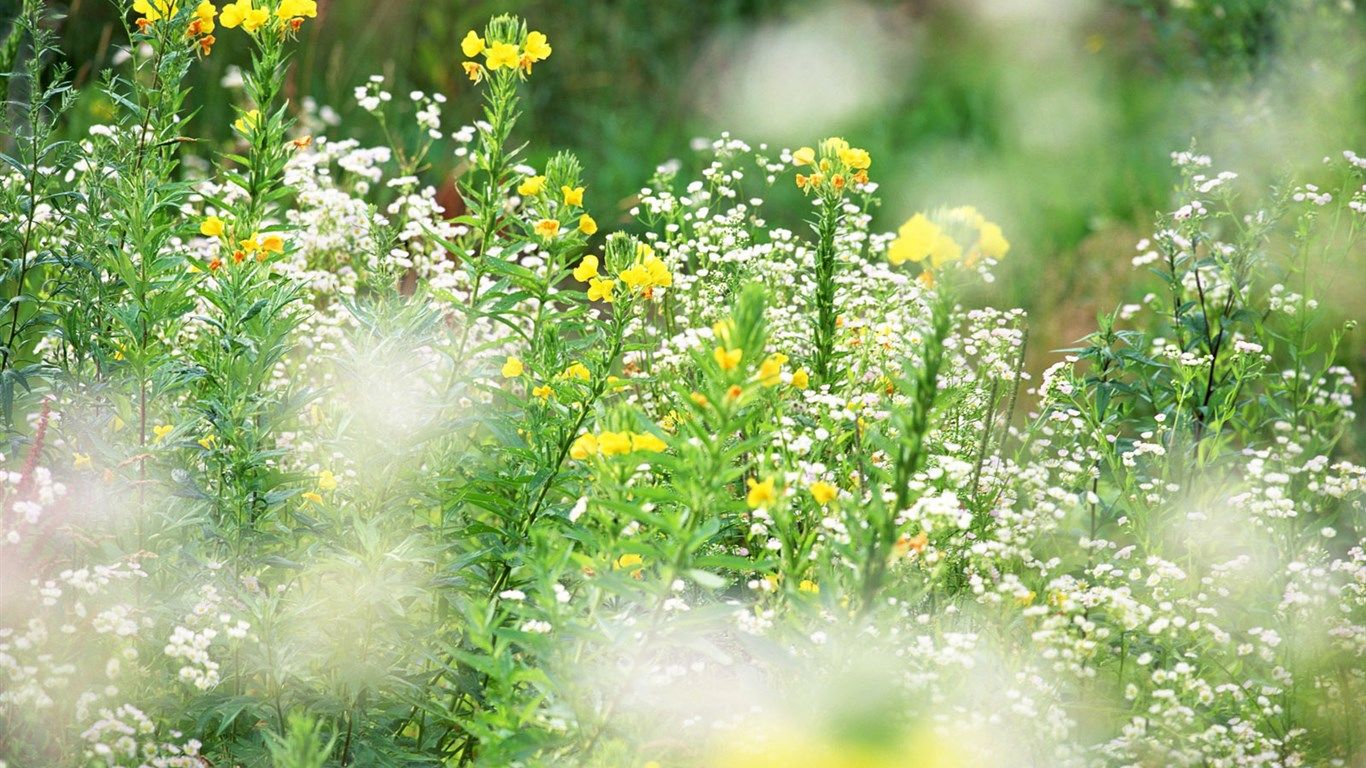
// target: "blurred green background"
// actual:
[[1055, 117]]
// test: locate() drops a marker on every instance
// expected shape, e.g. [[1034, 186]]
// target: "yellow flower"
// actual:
[[572, 195], [160, 431], [587, 225], [548, 228], [207, 442], [855, 158], [808, 183], [657, 272], [801, 379], [472, 45], [804, 156], [255, 20], [771, 369], [809, 586], [297, 9], [327, 481], [312, 496], [577, 371], [823, 492], [473, 71], [211, 227], [543, 392], [907, 543], [600, 290], [991, 241], [760, 493], [727, 358], [242, 13], [587, 269], [80, 460], [271, 243], [647, 274], [501, 55], [914, 240], [537, 48], [252, 117], [628, 562], [615, 443], [945, 250], [512, 368], [648, 442], [584, 445], [532, 185], [203, 17], [154, 10]]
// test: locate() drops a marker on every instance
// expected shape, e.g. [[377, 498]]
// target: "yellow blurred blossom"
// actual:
[[629, 561], [801, 379], [823, 492], [647, 442], [584, 445], [572, 195], [271, 243], [577, 371], [614, 443], [855, 158], [587, 225], [327, 481], [211, 227], [512, 368], [771, 369], [760, 493], [992, 242], [727, 358], [946, 236]]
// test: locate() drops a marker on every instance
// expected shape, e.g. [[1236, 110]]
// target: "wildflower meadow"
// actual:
[[309, 463]]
